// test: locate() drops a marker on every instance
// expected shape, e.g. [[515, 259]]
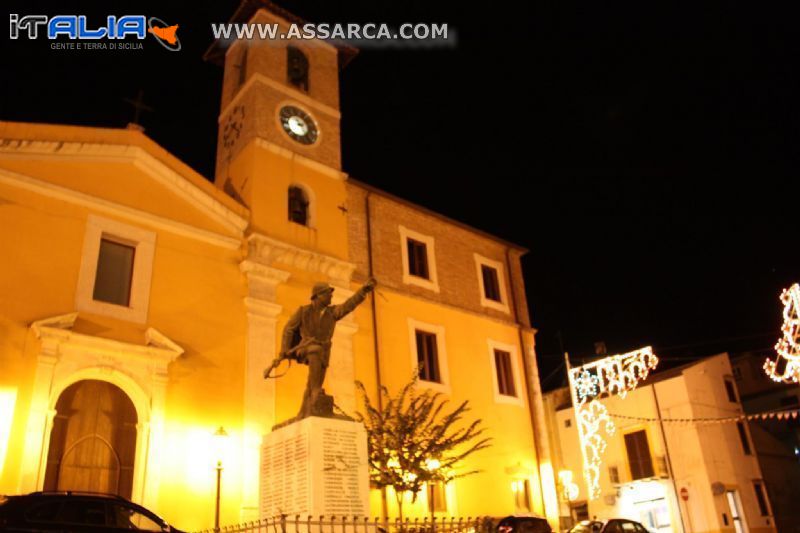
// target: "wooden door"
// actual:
[[93, 442]]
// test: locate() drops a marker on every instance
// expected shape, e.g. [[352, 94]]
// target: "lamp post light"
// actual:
[[219, 440]]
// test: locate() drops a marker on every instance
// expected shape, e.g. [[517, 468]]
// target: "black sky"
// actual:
[[645, 154]]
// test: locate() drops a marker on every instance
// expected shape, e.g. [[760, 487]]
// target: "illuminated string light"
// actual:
[[587, 386], [788, 346], [613, 375]]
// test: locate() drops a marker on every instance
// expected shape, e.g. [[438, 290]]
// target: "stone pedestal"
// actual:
[[317, 466]]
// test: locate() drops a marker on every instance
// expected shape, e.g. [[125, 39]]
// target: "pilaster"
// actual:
[[259, 394]]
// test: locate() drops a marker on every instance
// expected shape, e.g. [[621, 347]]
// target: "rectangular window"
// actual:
[[761, 497], [428, 356], [613, 474], [417, 258], [743, 438], [733, 503], [639, 460], [114, 273], [730, 390], [505, 374], [491, 285], [437, 501]]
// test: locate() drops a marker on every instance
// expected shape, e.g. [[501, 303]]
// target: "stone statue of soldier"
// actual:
[[307, 339]]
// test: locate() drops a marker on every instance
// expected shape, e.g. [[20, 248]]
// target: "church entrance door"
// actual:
[[93, 441]]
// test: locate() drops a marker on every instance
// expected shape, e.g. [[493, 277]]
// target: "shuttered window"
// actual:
[[505, 374], [639, 460], [428, 356]]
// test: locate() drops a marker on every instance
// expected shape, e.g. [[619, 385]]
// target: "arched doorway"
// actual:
[[93, 441]]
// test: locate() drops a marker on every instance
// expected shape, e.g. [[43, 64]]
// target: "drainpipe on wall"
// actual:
[[373, 300]]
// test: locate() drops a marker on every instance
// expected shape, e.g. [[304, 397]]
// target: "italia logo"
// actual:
[[76, 27]]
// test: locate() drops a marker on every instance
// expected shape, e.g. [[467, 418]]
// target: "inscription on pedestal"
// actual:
[[315, 466], [285, 466], [341, 492]]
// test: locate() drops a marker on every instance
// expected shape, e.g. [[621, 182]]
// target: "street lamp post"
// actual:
[[219, 438]]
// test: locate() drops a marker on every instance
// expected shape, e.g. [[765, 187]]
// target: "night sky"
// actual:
[[646, 155]]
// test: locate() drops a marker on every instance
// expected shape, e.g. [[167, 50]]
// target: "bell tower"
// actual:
[[278, 147]]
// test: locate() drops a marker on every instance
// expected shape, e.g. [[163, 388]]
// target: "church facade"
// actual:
[[140, 302]]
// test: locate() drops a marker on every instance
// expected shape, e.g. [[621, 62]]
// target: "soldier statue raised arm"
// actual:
[[307, 339]]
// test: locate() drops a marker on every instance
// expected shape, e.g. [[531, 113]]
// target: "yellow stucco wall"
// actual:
[[197, 300]]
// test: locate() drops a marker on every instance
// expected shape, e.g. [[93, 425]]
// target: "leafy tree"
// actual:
[[413, 441]]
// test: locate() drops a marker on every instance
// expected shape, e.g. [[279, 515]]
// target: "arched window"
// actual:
[[298, 205], [297, 68]]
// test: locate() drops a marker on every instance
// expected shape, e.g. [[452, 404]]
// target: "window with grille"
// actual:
[[639, 460], [428, 356], [114, 272], [417, 258], [505, 374], [491, 283], [298, 206]]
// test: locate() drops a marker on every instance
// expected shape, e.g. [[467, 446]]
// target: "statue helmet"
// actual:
[[320, 288]]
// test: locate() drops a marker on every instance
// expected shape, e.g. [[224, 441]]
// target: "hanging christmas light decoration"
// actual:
[[587, 386], [786, 367], [617, 375]]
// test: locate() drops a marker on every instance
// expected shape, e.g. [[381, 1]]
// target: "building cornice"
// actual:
[[105, 206], [297, 158], [268, 251], [141, 158], [57, 333], [260, 79]]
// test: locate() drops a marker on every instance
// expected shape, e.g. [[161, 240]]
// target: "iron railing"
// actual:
[[356, 524]]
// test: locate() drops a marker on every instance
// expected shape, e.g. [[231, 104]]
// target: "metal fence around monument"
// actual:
[[355, 524]]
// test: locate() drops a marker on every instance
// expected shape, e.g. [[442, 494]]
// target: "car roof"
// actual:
[[49, 493]]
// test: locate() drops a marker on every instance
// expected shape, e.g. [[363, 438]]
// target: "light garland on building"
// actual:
[[616, 374], [788, 346], [784, 414]]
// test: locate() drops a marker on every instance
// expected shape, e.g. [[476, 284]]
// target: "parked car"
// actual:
[[77, 512], [612, 525], [519, 524]]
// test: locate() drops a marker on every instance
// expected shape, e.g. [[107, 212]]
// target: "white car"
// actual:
[[612, 525]]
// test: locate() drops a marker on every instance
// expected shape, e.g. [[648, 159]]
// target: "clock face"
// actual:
[[299, 125]]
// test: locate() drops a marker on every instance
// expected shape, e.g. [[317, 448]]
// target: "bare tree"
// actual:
[[413, 441]]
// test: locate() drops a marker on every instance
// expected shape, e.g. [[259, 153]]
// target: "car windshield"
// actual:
[[587, 527]]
